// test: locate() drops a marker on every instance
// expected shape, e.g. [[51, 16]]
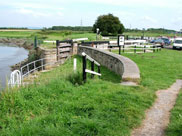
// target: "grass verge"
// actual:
[[175, 125]]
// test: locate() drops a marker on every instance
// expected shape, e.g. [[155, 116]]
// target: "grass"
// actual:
[[48, 35], [58, 106], [17, 34], [175, 125], [63, 35], [55, 106]]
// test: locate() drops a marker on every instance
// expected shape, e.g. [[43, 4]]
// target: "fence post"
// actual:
[[144, 48], [135, 49], [84, 68], [123, 48], [92, 68], [153, 48], [119, 50], [57, 47]]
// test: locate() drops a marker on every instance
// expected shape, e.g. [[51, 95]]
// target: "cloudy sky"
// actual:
[[132, 13]]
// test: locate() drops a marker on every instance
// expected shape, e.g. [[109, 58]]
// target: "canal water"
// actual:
[[9, 55]]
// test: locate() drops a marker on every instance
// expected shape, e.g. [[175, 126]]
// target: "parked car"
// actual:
[[177, 43], [166, 41], [152, 41], [159, 42]]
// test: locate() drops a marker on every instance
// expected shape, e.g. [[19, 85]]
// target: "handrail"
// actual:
[[89, 58]]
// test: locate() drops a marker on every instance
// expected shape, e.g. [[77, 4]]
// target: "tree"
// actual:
[[108, 25]]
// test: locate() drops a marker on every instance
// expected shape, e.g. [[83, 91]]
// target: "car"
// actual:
[[177, 43], [159, 42], [166, 41], [152, 41]]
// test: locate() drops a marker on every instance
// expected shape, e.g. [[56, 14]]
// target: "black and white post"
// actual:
[[121, 40]]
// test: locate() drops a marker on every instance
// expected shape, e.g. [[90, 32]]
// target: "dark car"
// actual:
[[159, 42], [166, 41]]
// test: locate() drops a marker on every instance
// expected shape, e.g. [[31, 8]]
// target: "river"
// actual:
[[9, 55]]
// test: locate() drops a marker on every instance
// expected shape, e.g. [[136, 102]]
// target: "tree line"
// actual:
[[152, 30], [13, 28], [72, 28]]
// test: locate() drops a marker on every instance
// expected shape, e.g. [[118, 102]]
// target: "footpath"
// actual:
[[157, 117]]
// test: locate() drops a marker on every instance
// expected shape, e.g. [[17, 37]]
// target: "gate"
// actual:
[[64, 49]]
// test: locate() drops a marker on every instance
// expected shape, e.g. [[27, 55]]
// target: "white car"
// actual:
[[177, 43]]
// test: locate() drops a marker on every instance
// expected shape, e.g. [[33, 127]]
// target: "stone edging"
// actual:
[[121, 65]]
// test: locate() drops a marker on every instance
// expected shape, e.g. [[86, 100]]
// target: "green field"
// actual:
[[47, 35], [64, 35], [60, 104]]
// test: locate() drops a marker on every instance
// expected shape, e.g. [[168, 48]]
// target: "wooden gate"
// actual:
[[64, 49]]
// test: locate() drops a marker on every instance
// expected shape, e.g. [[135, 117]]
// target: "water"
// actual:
[[9, 56]]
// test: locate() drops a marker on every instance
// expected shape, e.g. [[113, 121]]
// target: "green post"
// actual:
[[35, 42]]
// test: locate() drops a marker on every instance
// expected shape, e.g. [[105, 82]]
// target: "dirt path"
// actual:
[[157, 117]]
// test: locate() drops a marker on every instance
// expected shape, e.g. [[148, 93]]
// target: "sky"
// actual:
[[132, 13]]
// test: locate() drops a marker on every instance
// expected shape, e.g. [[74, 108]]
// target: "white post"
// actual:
[[74, 65]]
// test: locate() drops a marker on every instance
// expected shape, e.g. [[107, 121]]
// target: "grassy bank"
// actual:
[[175, 125], [57, 105]]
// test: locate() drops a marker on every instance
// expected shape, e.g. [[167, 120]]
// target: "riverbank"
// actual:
[[25, 43]]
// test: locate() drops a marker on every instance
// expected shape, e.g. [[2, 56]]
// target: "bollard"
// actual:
[[74, 65]]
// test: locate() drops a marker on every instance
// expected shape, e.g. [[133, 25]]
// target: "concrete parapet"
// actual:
[[123, 66]]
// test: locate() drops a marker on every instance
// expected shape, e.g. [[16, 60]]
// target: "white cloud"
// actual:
[[31, 12], [177, 21], [149, 19]]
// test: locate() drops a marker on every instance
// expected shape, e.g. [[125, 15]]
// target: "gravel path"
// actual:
[[157, 117]]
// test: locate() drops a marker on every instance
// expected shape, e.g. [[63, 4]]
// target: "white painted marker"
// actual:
[[74, 66]]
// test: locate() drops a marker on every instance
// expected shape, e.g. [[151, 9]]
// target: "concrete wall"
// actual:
[[121, 65]]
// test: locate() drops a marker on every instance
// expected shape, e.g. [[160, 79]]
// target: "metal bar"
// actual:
[[28, 69]]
